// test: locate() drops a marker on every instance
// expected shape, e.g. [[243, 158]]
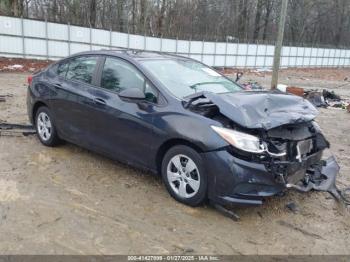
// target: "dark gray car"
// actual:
[[206, 136]]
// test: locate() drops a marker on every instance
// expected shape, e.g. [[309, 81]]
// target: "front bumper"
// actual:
[[321, 178], [232, 180]]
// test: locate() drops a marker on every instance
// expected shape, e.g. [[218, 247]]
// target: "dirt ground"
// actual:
[[67, 200]]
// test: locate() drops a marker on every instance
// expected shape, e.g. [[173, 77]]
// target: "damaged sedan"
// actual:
[[207, 137]]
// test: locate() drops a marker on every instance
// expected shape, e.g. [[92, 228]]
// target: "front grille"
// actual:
[[296, 150]]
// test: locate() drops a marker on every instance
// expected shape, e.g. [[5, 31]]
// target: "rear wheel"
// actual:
[[45, 128], [184, 175]]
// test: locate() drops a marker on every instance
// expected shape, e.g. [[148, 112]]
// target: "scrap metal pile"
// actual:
[[319, 98], [324, 98], [9, 129]]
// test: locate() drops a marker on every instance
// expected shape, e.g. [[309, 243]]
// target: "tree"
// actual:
[[93, 14], [312, 21], [257, 19]]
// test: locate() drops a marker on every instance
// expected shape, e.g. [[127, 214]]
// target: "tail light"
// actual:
[[29, 79]]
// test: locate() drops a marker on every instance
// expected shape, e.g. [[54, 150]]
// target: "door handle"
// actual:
[[99, 101]]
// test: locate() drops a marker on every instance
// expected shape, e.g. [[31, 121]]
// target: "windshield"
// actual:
[[186, 77]]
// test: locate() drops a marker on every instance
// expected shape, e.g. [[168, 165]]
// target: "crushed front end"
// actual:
[[291, 150], [292, 158], [283, 147]]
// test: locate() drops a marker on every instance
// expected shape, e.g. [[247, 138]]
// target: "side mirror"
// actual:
[[132, 93]]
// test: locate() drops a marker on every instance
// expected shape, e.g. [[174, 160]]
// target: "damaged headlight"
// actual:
[[240, 140]]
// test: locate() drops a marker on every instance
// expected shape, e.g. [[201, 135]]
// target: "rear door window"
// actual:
[[82, 69]]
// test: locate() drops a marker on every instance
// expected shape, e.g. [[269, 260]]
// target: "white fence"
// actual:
[[38, 39]]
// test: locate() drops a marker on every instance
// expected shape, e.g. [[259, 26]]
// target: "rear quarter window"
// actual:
[[81, 69], [62, 69]]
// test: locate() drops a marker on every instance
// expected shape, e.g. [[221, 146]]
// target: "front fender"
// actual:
[[189, 127]]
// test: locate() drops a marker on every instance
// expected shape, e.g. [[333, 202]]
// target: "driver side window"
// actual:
[[118, 75]]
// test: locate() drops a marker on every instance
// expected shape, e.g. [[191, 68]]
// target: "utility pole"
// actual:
[[278, 45]]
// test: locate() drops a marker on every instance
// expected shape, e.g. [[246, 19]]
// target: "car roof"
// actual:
[[133, 54]]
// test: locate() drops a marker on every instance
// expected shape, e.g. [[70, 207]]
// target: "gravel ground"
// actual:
[[67, 200]]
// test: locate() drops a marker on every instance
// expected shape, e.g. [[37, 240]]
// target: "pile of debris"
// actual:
[[324, 98], [248, 85], [7, 129]]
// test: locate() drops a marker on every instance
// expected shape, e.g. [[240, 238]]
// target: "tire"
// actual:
[[189, 186], [44, 122]]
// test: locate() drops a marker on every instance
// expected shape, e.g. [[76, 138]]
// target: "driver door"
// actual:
[[123, 129]]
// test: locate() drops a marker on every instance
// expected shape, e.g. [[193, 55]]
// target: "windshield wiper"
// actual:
[[204, 83]]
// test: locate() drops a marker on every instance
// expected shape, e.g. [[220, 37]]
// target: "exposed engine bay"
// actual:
[[291, 142]]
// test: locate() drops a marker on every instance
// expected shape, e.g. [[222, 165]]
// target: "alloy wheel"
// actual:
[[44, 126], [183, 176]]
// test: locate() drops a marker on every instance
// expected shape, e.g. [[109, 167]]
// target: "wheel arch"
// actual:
[[36, 106], [169, 144]]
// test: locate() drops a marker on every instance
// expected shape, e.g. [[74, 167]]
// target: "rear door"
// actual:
[[124, 128], [70, 101]]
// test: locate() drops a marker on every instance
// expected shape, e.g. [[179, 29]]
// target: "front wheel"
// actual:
[[184, 175]]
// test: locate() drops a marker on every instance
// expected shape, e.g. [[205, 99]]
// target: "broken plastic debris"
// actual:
[[322, 178], [316, 98]]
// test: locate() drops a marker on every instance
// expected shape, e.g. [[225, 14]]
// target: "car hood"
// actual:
[[263, 109]]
